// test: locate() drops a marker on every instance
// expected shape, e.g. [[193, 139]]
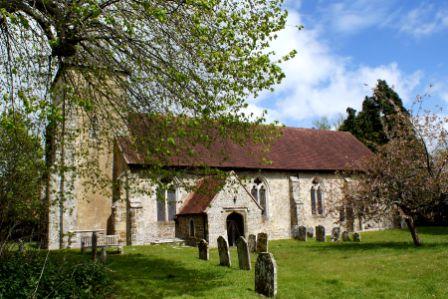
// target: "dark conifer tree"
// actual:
[[374, 124]]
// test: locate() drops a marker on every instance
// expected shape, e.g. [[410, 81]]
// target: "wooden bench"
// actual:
[[102, 242]]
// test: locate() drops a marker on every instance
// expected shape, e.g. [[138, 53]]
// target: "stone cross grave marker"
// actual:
[[243, 253], [252, 242], [262, 242], [223, 249], [335, 234], [203, 250], [266, 275], [320, 233], [345, 236]]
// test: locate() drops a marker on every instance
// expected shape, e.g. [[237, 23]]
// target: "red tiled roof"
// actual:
[[199, 199], [296, 149]]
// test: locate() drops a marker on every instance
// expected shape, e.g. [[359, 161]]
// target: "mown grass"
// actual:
[[384, 265]]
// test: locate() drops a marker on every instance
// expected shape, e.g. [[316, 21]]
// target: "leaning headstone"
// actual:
[[310, 232], [103, 255], [252, 243], [302, 233], [320, 233], [94, 245], [223, 249], [262, 242], [243, 253], [335, 234], [203, 250], [266, 275], [356, 237], [345, 236]]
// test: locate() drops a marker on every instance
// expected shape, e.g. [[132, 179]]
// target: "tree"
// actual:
[[192, 61], [21, 168], [407, 175], [322, 124], [198, 59], [372, 124]]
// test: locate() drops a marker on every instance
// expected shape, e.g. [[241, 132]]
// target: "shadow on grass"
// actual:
[[138, 275], [352, 246], [433, 230]]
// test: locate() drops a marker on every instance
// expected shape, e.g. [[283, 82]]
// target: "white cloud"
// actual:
[[320, 83], [424, 20], [356, 15]]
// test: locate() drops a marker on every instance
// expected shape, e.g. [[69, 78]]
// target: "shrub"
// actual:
[[20, 277]]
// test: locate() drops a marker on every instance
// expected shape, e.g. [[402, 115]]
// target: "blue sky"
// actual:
[[347, 45]]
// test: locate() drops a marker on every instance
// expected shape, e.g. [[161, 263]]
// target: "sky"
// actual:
[[346, 46]]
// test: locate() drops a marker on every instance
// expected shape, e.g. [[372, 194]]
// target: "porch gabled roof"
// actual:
[[200, 198]]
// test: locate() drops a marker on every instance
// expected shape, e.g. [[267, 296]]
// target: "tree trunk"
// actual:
[[410, 223]]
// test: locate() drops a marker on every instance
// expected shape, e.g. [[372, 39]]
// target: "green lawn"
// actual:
[[384, 265]]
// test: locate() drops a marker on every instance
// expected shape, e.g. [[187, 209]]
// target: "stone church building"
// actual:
[[299, 187]]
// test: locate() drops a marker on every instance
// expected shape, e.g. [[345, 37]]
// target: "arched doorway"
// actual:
[[235, 227]]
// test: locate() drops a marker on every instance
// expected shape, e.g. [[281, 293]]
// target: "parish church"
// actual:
[[301, 185]]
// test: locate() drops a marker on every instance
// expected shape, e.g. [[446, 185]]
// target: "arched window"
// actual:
[[191, 230], [258, 191], [166, 204], [317, 201]]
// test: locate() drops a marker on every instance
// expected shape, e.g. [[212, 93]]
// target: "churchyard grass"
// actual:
[[383, 265]]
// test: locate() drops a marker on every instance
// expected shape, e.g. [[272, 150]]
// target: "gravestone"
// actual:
[[103, 255], [252, 243], [262, 242], [295, 232], [203, 250], [356, 237], [94, 245], [21, 246], [266, 275], [320, 233], [83, 247], [302, 233], [345, 236], [310, 232], [223, 249], [243, 253], [335, 234]]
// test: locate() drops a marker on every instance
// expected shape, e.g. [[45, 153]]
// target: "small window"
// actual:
[[320, 203], [171, 200], [262, 193], [313, 201], [258, 191], [191, 230], [317, 201], [161, 204], [166, 204], [254, 192]]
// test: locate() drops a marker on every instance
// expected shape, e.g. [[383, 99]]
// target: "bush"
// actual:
[[20, 277]]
